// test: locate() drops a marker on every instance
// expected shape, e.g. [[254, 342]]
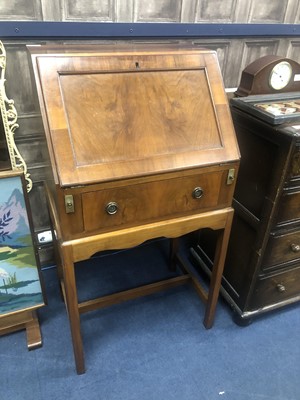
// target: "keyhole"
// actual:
[[137, 65]]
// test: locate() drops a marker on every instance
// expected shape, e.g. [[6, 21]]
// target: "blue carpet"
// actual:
[[152, 348]]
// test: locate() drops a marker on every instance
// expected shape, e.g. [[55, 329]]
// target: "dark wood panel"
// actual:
[[19, 86], [289, 207], [276, 289], [38, 203], [282, 249]]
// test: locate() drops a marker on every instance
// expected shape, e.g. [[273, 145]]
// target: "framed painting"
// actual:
[[20, 281]]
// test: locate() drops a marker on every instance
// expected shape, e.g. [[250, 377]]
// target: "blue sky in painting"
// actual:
[[7, 185]]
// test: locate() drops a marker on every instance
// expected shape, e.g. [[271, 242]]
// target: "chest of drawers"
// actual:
[[262, 267], [141, 146]]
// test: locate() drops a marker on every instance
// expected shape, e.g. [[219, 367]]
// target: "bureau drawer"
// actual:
[[149, 201], [289, 207], [277, 288], [282, 249]]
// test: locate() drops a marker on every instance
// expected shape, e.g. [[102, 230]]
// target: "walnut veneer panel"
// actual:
[[134, 114], [149, 201], [143, 200]]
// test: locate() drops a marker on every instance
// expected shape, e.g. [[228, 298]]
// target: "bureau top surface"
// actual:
[[114, 112]]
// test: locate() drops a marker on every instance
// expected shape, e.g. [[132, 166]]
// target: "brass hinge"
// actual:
[[230, 176], [69, 203]]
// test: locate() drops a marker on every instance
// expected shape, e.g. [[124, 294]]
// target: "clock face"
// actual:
[[280, 75]]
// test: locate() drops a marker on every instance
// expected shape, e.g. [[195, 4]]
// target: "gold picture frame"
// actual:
[[9, 120]]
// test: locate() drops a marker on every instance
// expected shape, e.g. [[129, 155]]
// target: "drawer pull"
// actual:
[[111, 208], [197, 193], [295, 247], [280, 288]]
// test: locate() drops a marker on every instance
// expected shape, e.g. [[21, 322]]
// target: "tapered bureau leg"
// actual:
[[174, 246], [217, 272], [72, 307]]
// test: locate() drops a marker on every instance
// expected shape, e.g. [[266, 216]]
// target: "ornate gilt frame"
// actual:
[[9, 118]]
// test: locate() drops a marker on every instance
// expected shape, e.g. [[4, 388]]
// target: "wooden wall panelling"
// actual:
[[275, 11], [19, 85], [255, 48], [243, 52], [235, 54], [30, 123], [296, 13], [29, 137], [37, 196], [21, 10], [232, 68], [34, 149], [293, 49], [51, 10], [124, 11], [292, 12], [253, 11], [220, 11], [82, 10], [222, 48], [229, 54], [282, 47], [188, 10], [154, 11]]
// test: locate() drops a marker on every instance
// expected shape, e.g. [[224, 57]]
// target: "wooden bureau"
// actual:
[[141, 146]]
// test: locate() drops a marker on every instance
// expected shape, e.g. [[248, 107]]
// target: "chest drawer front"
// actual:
[[293, 174], [276, 289], [150, 201], [289, 207], [282, 249]]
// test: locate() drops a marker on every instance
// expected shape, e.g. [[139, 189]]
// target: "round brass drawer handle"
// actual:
[[280, 287], [197, 192], [295, 247], [111, 208]]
